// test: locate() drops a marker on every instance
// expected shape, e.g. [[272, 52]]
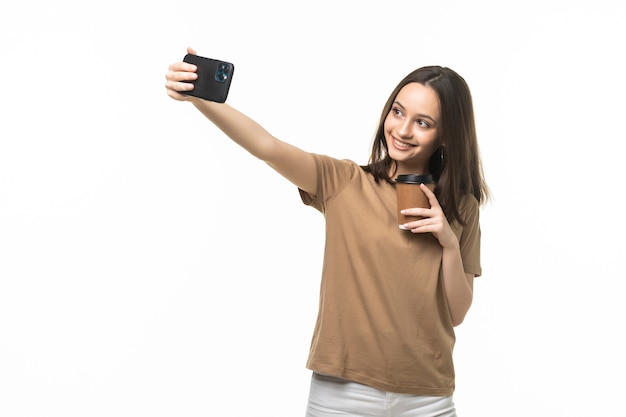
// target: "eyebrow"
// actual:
[[425, 116]]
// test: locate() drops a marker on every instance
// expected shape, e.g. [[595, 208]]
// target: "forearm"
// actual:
[[458, 286], [291, 162], [240, 128]]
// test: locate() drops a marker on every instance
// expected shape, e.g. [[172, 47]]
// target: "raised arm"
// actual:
[[291, 162]]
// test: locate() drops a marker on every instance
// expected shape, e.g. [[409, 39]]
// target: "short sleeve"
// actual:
[[469, 237], [332, 176]]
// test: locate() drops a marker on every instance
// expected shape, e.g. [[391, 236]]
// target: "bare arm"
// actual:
[[457, 284], [291, 162]]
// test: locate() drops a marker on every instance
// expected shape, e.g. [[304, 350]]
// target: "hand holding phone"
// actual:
[[214, 78]]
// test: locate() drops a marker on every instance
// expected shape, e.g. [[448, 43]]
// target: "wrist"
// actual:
[[451, 243]]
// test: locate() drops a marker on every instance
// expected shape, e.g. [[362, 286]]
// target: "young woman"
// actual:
[[390, 295]]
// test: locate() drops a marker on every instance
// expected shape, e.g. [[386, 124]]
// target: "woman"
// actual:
[[390, 296]]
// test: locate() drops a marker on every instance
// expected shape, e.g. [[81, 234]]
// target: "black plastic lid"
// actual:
[[415, 179]]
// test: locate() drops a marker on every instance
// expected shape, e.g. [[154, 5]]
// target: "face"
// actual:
[[411, 128]]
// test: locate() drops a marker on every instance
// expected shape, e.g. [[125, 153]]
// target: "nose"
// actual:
[[405, 130]]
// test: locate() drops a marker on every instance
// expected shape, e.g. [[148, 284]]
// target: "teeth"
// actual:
[[402, 144]]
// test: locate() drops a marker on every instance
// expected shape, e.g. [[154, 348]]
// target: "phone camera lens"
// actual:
[[221, 74]]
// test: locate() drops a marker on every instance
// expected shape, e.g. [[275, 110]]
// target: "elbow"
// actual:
[[459, 300], [457, 322], [460, 315]]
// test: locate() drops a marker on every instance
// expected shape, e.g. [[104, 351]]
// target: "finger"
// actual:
[[413, 223], [422, 230], [177, 87], [177, 83], [417, 227], [416, 211], [432, 199], [191, 51], [182, 67], [179, 77], [423, 226], [176, 95]]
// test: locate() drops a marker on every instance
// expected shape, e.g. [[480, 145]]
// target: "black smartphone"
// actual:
[[214, 78]]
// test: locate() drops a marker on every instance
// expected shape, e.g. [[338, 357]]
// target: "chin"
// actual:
[[401, 156]]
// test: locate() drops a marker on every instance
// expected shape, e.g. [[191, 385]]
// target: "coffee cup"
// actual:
[[410, 195]]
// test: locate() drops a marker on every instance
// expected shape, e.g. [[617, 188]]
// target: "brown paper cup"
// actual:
[[410, 195]]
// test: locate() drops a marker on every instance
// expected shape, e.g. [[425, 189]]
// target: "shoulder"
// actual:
[[333, 176], [332, 161], [335, 167]]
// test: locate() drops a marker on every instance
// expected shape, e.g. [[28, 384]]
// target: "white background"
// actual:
[[149, 267]]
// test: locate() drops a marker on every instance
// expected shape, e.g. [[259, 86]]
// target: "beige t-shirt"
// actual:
[[383, 320]]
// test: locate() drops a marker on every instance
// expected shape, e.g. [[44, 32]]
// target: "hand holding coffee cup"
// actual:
[[410, 195]]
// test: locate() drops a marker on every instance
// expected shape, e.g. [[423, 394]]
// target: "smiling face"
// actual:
[[411, 128]]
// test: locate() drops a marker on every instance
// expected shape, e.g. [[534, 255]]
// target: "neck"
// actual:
[[399, 168]]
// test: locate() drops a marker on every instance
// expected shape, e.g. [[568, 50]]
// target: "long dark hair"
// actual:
[[456, 165]]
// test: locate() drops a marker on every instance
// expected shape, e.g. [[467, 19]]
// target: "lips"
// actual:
[[402, 145]]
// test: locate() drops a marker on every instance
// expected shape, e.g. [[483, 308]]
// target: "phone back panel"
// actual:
[[214, 78]]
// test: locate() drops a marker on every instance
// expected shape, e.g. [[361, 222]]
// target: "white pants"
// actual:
[[330, 396]]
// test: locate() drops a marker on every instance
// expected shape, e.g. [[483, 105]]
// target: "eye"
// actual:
[[423, 123], [396, 111]]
